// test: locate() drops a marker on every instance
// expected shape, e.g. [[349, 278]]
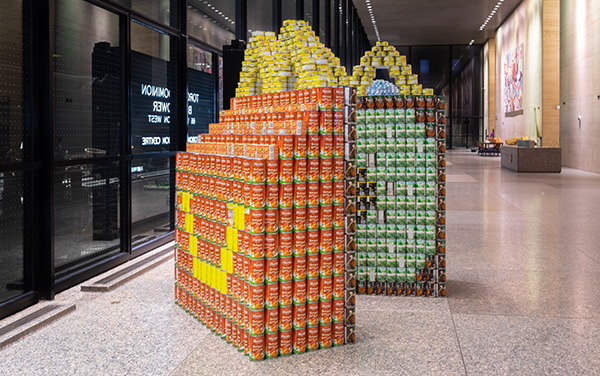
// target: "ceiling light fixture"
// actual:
[[370, 9], [491, 15]]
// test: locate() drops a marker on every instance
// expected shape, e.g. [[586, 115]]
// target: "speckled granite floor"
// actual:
[[523, 264]]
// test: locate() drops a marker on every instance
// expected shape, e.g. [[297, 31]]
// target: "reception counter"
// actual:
[[522, 159]]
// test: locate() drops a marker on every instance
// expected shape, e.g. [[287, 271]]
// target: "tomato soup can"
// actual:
[[272, 245], [339, 191], [338, 146], [338, 239], [326, 123], [300, 146], [272, 270], [339, 333], [338, 216], [255, 221], [257, 171], [285, 144], [313, 146], [325, 241], [272, 221]]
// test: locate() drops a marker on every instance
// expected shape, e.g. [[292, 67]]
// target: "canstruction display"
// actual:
[[261, 248], [401, 222], [295, 59]]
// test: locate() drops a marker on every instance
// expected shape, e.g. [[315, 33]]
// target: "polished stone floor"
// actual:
[[523, 258]]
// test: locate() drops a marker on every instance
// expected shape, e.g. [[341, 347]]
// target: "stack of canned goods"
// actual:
[[350, 212], [400, 235], [260, 240]]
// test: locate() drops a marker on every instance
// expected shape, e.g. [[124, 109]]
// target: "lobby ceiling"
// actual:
[[433, 22]]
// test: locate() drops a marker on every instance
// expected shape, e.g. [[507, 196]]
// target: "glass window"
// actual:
[[308, 13], [162, 11], [260, 15], [14, 84], [288, 9], [212, 23], [15, 260], [88, 76], [201, 92], [86, 215], [431, 64], [153, 90], [150, 198]]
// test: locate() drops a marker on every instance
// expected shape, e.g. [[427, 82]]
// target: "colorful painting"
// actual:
[[513, 80]]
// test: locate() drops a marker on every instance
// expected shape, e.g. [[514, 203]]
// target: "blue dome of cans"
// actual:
[[382, 87]]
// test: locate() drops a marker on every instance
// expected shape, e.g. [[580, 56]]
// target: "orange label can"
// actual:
[[272, 196], [255, 221], [326, 193], [256, 247], [313, 170], [326, 122], [338, 310], [299, 243], [338, 240], [257, 171], [257, 322], [312, 242], [326, 217], [338, 122], [325, 311], [339, 262], [286, 267], [285, 317], [326, 265], [256, 296], [299, 216], [300, 170], [256, 346], [272, 270], [272, 171], [339, 333], [325, 288], [286, 219], [286, 241], [313, 146], [286, 195], [313, 122], [285, 342], [338, 216], [325, 335], [338, 169], [338, 192], [338, 146], [325, 169], [313, 193], [272, 220], [299, 337], [300, 195], [299, 268], [312, 338], [256, 273], [312, 290], [272, 295], [286, 146], [272, 320], [271, 345], [272, 245], [257, 196], [299, 316], [300, 146], [286, 170]]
